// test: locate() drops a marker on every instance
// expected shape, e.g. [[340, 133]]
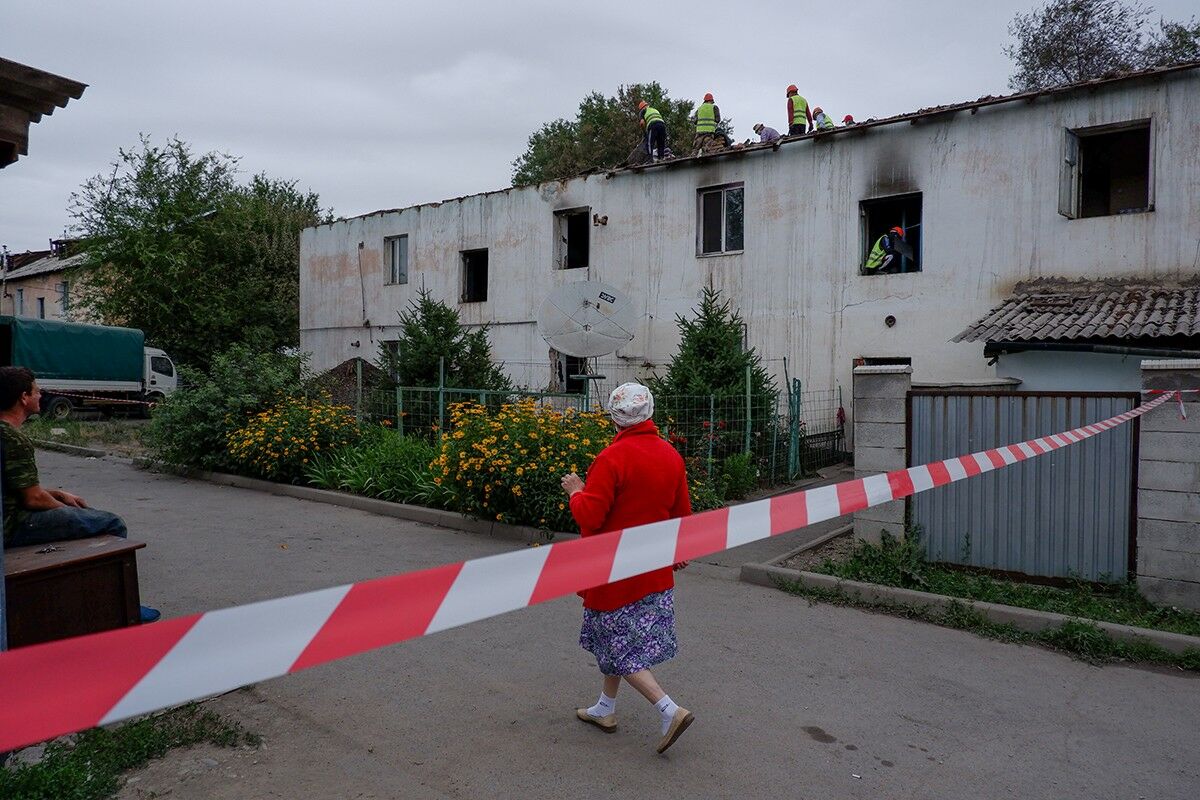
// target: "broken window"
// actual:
[[1106, 171], [721, 220], [878, 216], [475, 276], [396, 248], [573, 230]]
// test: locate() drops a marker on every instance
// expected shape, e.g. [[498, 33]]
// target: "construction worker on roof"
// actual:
[[882, 257], [821, 120], [656, 131], [847, 120], [765, 134], [799, 115], [708, 117]]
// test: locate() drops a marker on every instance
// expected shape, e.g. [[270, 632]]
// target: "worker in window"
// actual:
[[656, 131], [765, 134], [821, 120], [708, 117], [884, 253], [799, 114]]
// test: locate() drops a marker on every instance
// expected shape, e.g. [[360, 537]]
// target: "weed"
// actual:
[[90, 766], [901, 562]]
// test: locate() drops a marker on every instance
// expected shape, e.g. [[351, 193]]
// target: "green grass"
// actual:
[[90, 768], [1080, 639], [113, 434], [903, 564]]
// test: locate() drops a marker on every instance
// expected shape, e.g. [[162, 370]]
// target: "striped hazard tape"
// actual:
[[64, 686]]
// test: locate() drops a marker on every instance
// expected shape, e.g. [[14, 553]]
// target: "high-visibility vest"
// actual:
[[824, 122], [651, 115], [875, 258], [799, 110], [706, 118]]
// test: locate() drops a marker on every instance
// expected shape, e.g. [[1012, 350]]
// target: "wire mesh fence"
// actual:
[[776, 437]]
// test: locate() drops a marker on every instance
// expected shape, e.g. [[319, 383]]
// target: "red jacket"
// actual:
[[636, 480]]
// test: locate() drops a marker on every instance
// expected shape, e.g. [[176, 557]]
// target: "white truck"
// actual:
[[87, 366]]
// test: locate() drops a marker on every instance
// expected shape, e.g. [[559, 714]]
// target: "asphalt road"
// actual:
[[792, 700]]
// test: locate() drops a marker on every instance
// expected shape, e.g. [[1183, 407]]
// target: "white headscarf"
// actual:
[[629, 404]]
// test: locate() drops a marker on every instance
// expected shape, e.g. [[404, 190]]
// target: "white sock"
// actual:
[[667, 708], [604, 706]]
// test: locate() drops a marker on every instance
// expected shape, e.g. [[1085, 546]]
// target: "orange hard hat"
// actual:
[[792, 89], [898, 230], [708, 97], [642, 104]]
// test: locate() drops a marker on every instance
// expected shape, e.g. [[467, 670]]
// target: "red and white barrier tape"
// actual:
[[59, 687], [79, 396]]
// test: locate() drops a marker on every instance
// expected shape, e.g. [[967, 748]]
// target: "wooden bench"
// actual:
[[70, 588]]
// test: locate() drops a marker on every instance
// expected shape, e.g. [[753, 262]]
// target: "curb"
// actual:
[[1025, 619], [385, 508], [72, 449]]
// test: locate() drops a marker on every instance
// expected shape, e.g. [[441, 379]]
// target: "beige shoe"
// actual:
[[679, 723], [607, 724]]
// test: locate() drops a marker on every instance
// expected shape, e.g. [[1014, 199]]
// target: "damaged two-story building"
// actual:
[[1097, 181]]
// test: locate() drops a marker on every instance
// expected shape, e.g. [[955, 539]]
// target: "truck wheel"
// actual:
[[151, 399], [58, 408]]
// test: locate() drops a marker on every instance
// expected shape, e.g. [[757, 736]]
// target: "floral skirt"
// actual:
[[633, 637]]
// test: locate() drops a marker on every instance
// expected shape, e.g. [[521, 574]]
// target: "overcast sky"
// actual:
[[381, 105]]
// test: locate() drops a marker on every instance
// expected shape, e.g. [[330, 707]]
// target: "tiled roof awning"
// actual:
[[1085, 311], [26, 95]]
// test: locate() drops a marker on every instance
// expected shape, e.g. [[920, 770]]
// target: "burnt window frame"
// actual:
[[394, 276], [723, 189], [1072, 168], [867, 241], [466, 282], [562, 237]]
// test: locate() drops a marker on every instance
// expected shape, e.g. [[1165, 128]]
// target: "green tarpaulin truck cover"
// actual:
[[72, 351]]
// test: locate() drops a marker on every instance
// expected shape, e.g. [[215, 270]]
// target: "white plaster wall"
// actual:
[[1049, 371], [990, 219]]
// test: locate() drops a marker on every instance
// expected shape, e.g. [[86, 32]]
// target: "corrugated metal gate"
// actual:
[[1068, 513]]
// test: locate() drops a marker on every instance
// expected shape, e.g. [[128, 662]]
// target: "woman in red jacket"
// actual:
[[629, 625]]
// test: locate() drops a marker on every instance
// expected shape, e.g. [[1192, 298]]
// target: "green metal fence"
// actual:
[[786, 437]]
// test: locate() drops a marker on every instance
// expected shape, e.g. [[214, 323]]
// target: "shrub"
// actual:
[[383, 464], [192, 426], [507, 466], [739, 476], [278, 444]]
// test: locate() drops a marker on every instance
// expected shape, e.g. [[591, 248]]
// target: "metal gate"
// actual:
[[1069, 513]]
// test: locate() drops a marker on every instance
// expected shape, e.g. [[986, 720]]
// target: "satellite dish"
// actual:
[[586, 319]]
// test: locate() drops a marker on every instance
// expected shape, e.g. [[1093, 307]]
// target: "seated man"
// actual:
[[33, 515]]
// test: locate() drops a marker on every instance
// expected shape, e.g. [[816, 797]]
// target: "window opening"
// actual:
[[162, 365], [41, 307], [64, 296], [722, 220], [397, 258], [878, 217], [475, 276], [573, 229], [20, 302], [1106, 171], [883, 361]]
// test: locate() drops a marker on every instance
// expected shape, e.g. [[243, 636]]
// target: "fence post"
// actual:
[[358, 390], [749, 413], [712, 429], [794, 429], [400, 410], [441, 396]]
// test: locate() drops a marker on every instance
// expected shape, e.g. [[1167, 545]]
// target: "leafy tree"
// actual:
[[711, 361], [176, 246], [603, 133], [430, 331], [1067, 41]]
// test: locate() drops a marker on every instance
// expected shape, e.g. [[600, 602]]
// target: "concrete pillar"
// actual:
[[880, 441], [1168, 525]]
